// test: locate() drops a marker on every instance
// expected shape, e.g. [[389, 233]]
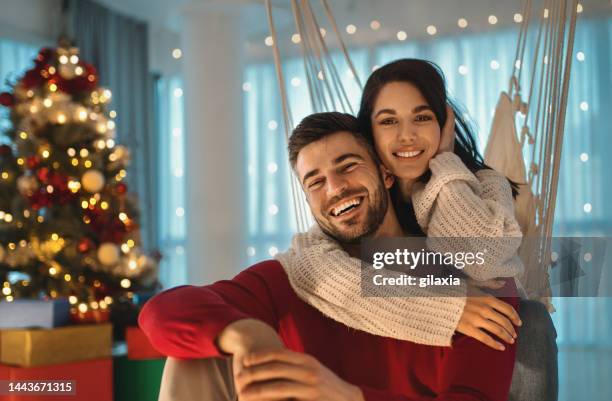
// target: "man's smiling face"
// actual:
[[344, 186]]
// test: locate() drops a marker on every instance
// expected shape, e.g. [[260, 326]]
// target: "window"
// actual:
[[171, 213]]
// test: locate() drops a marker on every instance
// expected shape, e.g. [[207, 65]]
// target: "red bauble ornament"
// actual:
[[44, 55], [88, 81], [39, 199], [7, 99], [32, 78], [85, 245], [58, 180], [121, 188], [90, 70], [32, 162], [43, 174], [5, 150], [63, 84]]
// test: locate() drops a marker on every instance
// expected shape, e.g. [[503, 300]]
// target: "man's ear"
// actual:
[[388, 177]]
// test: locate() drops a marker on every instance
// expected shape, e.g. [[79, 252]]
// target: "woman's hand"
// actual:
[[484, 315], [447, 136]]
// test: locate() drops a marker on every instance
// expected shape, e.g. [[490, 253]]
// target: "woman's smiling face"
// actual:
[[406, 131]]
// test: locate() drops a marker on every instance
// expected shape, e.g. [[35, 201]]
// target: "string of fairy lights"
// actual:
[[401, 35]]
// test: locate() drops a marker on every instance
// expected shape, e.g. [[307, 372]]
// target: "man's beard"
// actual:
[[378, 203]]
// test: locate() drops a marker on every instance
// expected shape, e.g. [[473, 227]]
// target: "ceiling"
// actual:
[[410, 16]]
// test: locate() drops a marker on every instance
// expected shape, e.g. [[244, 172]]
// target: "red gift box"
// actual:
[[93, 380], [138, 345]]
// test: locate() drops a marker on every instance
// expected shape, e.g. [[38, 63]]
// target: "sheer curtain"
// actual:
[[477, 68], [15, 58], [171, 212], [118, 47]]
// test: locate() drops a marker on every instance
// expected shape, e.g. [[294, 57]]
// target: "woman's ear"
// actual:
[[388, 177]]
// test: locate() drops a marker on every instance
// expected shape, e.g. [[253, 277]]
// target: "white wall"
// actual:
[[33, 21], [161, 43]]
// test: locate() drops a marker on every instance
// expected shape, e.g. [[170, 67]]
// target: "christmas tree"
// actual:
[[68, 226]]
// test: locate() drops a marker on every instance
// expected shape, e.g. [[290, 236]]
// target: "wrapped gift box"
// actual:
[[138, 345], [37, 347], [93, 380], [137, 380], [23, 313]]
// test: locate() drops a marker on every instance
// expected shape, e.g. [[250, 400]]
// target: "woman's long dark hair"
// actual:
[[429, 79]]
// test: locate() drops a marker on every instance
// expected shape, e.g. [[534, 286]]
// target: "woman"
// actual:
[[441, 177], [443, 189]]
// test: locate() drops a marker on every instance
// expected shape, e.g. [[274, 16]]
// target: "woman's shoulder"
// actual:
[[493, 177], [494, 183], [491, 174]]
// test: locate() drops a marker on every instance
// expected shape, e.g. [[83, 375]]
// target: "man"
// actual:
[[256, 314]]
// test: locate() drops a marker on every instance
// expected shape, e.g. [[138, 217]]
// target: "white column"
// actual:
[[213, 47]]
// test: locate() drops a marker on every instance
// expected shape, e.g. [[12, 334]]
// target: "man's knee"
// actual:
[[207, 379]]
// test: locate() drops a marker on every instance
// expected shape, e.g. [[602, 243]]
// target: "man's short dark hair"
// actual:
[[320, 125]]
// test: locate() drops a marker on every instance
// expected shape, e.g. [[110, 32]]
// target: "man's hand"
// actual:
[[283, 374], [447, 134], [484, 313]]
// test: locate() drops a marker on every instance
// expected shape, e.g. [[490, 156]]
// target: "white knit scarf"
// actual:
[[326, 277]]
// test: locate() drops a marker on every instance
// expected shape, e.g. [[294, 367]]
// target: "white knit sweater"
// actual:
[[454, 203]]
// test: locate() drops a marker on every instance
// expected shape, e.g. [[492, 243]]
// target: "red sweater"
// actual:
[[184, 321]]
